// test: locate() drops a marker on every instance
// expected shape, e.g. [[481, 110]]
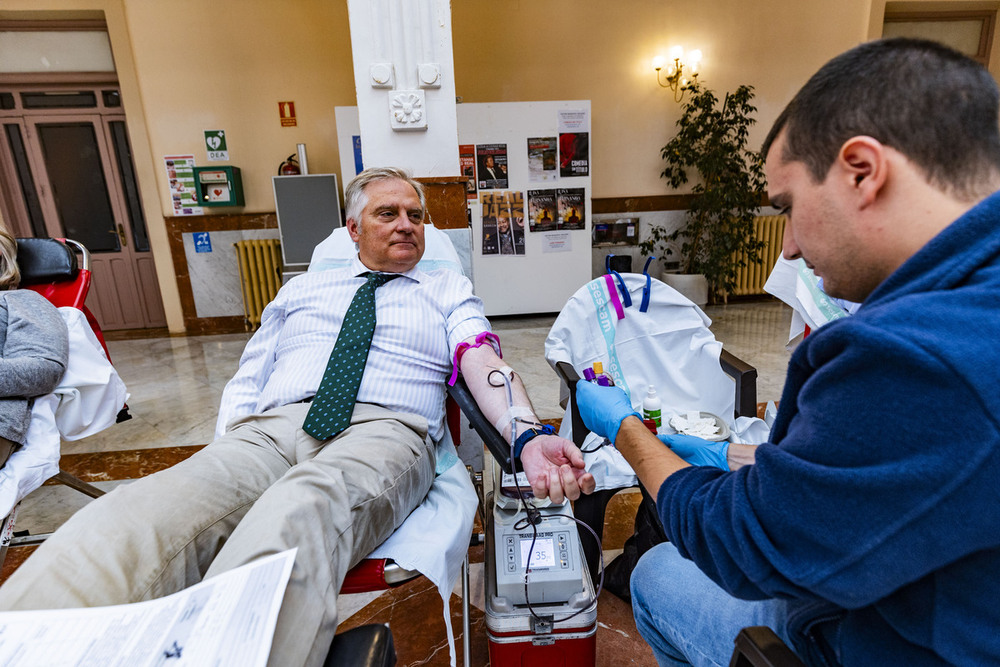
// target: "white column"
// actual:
[[405, 80]]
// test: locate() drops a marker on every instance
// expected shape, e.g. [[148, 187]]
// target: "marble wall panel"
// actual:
[[215, 276]]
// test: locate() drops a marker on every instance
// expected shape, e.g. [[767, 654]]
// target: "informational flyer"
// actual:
[[491, 162], [572, 208], [180, 176], [226, 620], [557, 242], [573, 120], [542, 214], [542, 163], [467, 162]]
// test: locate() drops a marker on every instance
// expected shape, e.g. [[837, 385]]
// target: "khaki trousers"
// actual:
[[7, 448], [264, 487]]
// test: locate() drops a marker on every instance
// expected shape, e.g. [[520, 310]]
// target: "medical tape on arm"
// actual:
[[513, 412], [463, 347]]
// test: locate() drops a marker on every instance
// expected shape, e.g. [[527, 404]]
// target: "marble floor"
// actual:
[[175, 384]]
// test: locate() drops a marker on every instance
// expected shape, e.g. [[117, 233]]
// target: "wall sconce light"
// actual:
[[681, 73]]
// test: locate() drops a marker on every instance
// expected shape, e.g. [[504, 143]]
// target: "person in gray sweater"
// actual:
[[34, 348]]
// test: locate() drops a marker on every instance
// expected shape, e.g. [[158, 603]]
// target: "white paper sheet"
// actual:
[[225, 620]]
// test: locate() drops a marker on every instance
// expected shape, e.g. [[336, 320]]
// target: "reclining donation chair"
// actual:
[[434, 540], [90, 396], [645, 334]]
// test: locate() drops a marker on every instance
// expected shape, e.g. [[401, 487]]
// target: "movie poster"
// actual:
[[491, 163], [542, 210], [503, 223], [574, 154], [467, 162], [572, 207], [542, 159]]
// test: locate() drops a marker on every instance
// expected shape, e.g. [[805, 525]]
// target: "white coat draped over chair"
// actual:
[[87, 401], [667, 344]]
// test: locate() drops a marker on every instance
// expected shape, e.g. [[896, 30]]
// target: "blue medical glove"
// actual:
[[697, 451], [603, 408]]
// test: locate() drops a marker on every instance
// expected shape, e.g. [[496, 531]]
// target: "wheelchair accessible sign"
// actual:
[[215, 146]]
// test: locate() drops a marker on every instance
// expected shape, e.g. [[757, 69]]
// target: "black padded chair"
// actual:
[[363, 646]]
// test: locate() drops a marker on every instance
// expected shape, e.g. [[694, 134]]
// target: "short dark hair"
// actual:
[[934, 105]]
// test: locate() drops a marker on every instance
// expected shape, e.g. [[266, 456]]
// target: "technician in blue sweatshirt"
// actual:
[[867, 532]]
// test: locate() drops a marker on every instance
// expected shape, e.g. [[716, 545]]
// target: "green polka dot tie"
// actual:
[[331, 409]]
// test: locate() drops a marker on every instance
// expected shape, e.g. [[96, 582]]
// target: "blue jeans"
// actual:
[[686, 618]]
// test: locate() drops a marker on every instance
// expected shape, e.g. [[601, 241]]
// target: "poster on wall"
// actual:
[[542, 159], [572, 207], [492, 166], [467, 162], [180, 176], [574, 154], [503, 223], [574, 143], [359, 165], [542, 210]]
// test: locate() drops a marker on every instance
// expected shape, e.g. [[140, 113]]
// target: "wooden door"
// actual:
[[82, 186]]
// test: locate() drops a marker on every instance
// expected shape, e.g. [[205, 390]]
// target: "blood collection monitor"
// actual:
[[552, 557]]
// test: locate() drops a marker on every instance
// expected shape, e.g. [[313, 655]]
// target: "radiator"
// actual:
[[260, 275], [750, 279]]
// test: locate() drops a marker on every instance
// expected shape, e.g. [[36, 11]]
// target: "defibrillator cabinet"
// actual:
[[218, 186]]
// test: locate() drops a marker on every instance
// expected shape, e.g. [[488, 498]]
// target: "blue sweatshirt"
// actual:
[[876, 506]]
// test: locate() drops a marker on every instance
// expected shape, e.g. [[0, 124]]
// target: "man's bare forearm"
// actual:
[[739, 455], [651, 460], [481, 369]]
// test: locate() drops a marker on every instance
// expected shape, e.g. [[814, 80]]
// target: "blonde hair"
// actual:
[[10, 275]]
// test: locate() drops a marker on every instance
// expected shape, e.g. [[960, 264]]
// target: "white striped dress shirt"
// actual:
[[421, 319]]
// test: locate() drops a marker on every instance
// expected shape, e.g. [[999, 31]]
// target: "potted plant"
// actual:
[[719, 225]]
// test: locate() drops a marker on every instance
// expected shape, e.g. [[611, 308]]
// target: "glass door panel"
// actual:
[[14, 133], [72, 159]]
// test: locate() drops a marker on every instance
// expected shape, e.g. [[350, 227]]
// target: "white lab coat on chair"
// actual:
[[87, 401], [669, 346]]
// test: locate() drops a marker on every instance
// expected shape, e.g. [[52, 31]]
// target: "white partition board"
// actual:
[[555, 263]]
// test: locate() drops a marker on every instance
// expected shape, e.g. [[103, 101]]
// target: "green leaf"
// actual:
[[711, 141]]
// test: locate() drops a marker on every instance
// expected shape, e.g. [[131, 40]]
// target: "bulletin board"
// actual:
[[545, 150]]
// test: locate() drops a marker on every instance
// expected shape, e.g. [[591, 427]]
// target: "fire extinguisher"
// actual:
[[289, 167]]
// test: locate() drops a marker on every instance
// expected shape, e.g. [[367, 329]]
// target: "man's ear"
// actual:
[[352, 229], [864, 163]]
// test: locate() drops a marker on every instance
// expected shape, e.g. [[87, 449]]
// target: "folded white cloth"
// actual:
[[434, 539]]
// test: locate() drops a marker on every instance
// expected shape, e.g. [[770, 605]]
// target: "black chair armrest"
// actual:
[[758, 646], [499, 448], [746, 383]]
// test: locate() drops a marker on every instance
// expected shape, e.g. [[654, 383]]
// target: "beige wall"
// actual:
[[186, 66], [190, 65], [593, 49], [226, 65]]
